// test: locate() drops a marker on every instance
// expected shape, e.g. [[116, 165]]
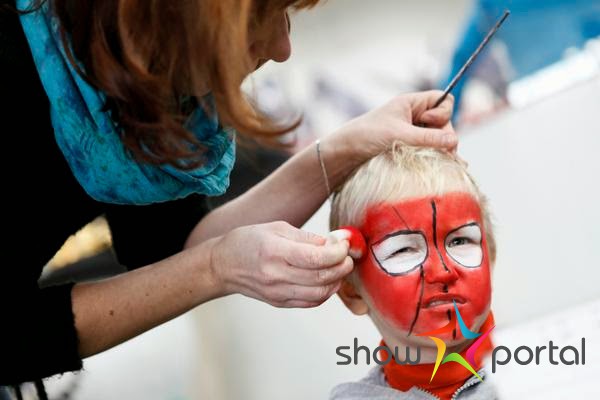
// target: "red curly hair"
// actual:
[[156, 59]]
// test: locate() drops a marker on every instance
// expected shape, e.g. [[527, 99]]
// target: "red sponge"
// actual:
[[358, 246]]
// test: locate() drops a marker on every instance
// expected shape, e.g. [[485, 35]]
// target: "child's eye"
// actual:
[[459, 241], [463, 245], [401, 252]]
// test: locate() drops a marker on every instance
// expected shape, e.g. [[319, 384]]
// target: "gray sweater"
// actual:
[[375, 387]]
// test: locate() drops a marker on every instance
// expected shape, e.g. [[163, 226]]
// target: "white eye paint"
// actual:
[[463, 245], [401, 253]]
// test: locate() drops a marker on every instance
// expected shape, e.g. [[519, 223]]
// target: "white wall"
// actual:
[[540, 168]]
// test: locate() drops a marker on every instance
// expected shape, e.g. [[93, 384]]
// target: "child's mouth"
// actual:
[[443, 300]]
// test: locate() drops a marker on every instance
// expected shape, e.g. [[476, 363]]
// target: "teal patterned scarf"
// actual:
[[90, 142]]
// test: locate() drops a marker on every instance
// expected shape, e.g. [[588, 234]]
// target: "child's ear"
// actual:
[[352, 299]]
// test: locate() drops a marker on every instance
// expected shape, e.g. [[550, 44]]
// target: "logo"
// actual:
[[455, 357], [501, 355]]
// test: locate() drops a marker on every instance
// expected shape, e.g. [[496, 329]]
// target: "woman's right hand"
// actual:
[[279, 264]]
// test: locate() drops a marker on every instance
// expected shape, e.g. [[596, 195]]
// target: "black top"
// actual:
[[46, 204]]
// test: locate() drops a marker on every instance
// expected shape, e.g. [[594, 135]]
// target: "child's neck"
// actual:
[[449, 376]]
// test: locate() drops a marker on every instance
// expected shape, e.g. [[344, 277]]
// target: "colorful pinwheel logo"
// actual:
[[455, 357]]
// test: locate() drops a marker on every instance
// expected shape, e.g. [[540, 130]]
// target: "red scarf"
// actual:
[[449, 376]]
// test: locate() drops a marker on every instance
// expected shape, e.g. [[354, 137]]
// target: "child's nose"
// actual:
[[436, 270]]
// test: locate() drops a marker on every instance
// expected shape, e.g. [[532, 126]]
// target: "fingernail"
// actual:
[[339, 235]]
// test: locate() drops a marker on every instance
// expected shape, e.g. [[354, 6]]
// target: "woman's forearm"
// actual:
[[115, 310], [292, 193], [297, 189]]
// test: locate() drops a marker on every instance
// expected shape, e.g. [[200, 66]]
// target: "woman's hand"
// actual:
[[279, 264], [297, 189], [398, 120]]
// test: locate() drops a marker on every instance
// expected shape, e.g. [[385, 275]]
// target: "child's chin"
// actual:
[[431, 319]]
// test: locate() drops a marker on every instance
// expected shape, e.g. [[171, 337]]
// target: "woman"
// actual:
[[134, 89]]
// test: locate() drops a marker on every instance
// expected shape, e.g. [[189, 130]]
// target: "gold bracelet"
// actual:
[[318, 143]]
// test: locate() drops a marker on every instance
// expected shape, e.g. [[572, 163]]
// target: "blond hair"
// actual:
[[401, 173]]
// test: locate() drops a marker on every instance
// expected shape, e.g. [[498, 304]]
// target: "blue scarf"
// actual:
[[90, 142]]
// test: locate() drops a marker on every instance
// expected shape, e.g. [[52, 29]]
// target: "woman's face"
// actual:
[[270, 39], [423, 255]]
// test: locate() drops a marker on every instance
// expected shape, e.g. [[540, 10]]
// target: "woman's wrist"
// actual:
[[398, 120], [208, 275], [339, 158], [212, 274]]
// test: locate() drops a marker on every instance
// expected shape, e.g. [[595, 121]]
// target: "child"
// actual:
[[424, 277]]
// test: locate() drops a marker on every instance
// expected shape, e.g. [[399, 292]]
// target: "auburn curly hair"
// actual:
[[156, 59]]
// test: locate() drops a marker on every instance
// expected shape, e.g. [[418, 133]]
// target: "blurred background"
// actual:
[[528, 116]]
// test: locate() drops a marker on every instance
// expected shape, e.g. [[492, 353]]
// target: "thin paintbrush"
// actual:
[[465, 67]]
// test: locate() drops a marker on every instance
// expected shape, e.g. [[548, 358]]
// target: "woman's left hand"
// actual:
[[398, 120]]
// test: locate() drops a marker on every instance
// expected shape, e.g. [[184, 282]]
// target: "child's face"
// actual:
[[421, 255]]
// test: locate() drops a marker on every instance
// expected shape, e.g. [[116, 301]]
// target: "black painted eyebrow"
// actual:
[[474, 223], [397, 233]]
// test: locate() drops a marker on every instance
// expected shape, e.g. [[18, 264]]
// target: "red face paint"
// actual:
[[358, 247], [421, 255]]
